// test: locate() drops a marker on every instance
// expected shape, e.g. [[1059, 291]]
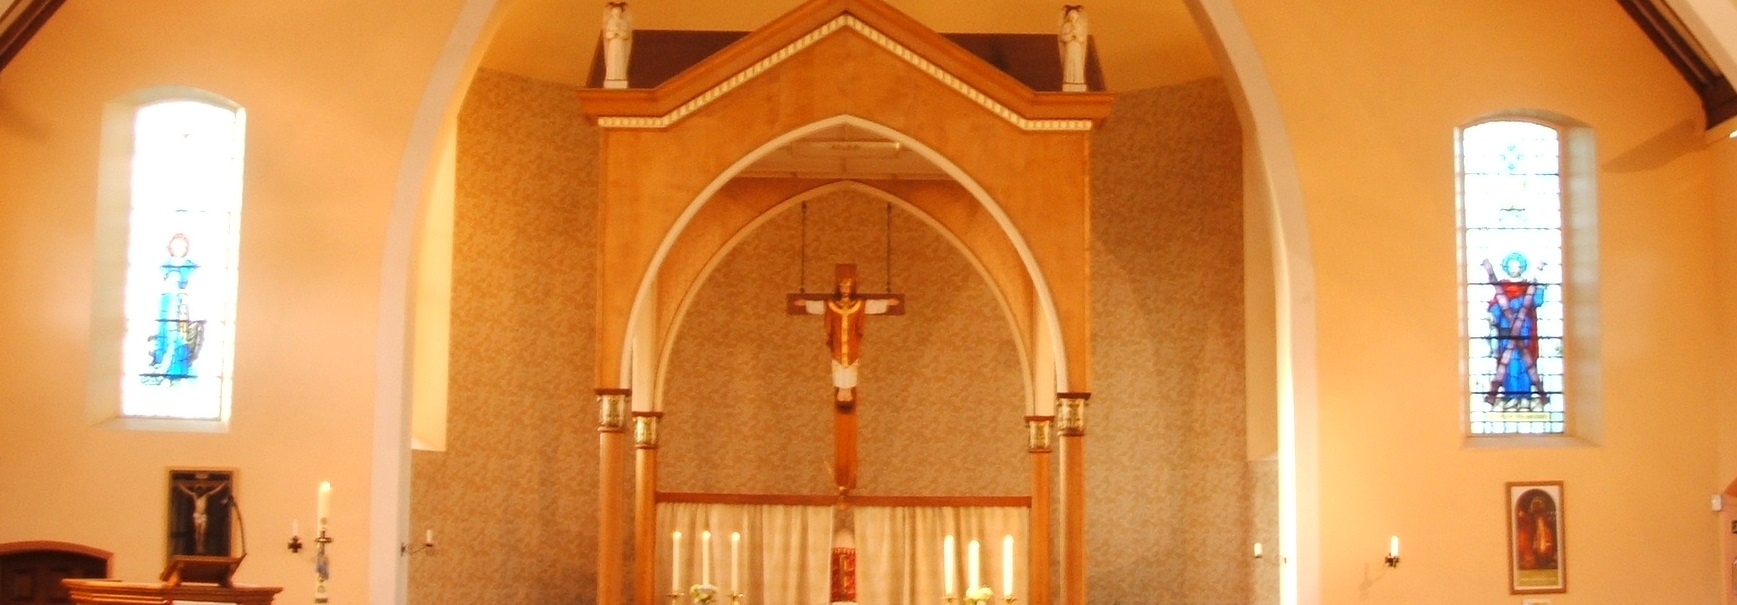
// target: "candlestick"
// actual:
[[706, 557], [973, 566], [675, 564], [949, 564], [1007, 566], [735, 570]]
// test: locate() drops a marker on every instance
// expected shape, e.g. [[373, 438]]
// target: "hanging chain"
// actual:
[[802, 255], [889, 289]]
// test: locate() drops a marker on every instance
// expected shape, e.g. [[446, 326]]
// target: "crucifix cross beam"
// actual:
[[845, 310]]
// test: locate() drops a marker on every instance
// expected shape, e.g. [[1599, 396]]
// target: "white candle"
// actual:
[[1257, 550], [675, 562], [735, 567], [428, 538], [973, 566], [1007, 566], [948, 563], [323, 511], [295, 527], [705, 557], [1393, 547]]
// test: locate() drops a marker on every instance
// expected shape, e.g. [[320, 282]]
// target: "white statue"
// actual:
[[1073, 48], [617, 43]]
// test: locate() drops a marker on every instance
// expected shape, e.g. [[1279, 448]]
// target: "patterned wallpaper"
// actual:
[[1165, 446], [512, 499], [746, 395]]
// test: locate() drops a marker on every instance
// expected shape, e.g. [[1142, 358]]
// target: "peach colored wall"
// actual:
[[1724, 193], [1371, 94], [329, 105]]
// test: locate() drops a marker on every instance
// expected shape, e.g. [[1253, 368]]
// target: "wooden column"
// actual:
[[612, 406], [645, 506], [1070, 418], [1037, 591]]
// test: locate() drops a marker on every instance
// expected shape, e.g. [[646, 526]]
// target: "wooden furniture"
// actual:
[[106, 592], [31, 571]]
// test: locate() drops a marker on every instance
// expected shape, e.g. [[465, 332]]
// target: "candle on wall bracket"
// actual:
[[1393, 552]]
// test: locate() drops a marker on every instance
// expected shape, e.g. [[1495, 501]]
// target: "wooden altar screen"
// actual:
[[1019, 158]]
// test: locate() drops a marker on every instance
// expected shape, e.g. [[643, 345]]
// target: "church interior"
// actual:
[[529, 294]]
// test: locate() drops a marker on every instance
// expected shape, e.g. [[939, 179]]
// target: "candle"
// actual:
[[1007, 566], [1393, 547], [295, 527], [948, 563], [675, 562], [323, 511], [973, 577], [705, 557], [1257, 550], [428, 538], [735, 569]]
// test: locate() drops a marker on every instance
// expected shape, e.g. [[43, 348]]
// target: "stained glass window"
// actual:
[[185, 200], [1511, 197]]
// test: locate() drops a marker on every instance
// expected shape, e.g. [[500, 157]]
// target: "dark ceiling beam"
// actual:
[[1672, 37], [20, 22]]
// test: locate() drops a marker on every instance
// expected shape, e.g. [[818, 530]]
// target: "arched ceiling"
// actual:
[[1140, 43]]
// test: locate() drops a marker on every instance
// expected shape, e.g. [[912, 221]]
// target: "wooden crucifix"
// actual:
[[845, 310]]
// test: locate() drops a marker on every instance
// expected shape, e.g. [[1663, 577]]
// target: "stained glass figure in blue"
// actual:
[[176, 344], [1514, 336]]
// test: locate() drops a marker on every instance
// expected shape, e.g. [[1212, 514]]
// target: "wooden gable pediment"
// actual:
[[754, 53]]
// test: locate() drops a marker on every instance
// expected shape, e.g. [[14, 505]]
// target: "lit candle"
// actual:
[[1257, 550], [323, 511], [705, 557], [735, 567], [973, 577], [1393, 547], [675, 562], [1007, 566], [948, 563]]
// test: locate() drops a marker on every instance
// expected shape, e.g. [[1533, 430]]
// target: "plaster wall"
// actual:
[[329, 102], [1371, 96]]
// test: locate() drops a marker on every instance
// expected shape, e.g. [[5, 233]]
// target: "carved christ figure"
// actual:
[[845, 311]]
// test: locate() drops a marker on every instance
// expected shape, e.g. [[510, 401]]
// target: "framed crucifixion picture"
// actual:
[[1535, 554], [201, 511]]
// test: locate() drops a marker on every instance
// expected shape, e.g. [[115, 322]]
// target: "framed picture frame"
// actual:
[[201, 512], [1536, 562]]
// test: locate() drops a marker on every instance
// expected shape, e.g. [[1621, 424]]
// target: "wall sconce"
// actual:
[[427, 543], [1393, 552]]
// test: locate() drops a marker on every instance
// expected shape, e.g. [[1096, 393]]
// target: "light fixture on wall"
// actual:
[[427, 543], [1393, 551]]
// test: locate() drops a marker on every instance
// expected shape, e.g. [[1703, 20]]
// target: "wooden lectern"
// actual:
[[109, 592]]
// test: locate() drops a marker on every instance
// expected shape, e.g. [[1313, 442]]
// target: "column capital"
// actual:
[[1070, 413], [1037, 430], [612, 406], [645, 429]]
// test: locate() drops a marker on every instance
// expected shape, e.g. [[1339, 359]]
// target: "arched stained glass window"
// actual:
[[184, 203], [1512, 245]]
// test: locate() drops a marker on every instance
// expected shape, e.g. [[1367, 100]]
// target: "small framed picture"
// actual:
[[201, 511], [1535, 552]]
